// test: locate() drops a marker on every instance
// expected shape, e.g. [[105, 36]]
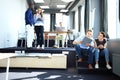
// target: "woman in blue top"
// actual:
[[39, 27]]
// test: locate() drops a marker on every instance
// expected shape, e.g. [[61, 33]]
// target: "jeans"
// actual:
[[40, 35], [102, 52], [90, 51]]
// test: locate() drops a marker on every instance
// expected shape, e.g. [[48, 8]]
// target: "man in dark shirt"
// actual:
[[29, 21]]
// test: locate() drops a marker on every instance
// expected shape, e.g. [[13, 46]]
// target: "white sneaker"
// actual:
[[96, 66], [43, 46], [38, 46], [108, 66]]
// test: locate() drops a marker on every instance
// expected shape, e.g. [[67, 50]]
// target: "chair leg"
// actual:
[[48, 41]]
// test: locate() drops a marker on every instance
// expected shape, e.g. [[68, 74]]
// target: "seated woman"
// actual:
[[101, 48]]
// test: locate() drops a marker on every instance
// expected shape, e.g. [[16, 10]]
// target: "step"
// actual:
[[83, 70]]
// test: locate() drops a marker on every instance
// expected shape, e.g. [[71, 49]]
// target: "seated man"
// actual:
[[59, 36], [87, 45], [101, 48]]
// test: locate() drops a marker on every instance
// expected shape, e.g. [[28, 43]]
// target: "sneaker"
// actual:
[[38, 46], [108, 66], [55, 46], [43, 46], [79, 60], [96, 66]]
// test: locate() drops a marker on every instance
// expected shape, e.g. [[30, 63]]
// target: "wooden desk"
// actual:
[[57, 32], [7, 55], [46, 33]]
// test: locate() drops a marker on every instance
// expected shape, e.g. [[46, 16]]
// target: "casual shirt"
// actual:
[[79, 39], [100, 42], [38, 20], [29, 17]]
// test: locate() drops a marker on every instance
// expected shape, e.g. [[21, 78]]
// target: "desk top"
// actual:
[[6, 55], [57, 32]]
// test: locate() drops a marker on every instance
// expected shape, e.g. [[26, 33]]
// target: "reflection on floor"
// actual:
[[53, 74]]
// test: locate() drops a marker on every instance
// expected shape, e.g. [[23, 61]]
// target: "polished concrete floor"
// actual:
[[53, 74]]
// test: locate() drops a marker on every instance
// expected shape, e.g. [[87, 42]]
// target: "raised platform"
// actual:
[[59, 58], [33, 60], [35, 50]]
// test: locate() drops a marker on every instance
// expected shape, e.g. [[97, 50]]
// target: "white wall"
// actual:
[[118, 20], [112, 30], [11, 21]]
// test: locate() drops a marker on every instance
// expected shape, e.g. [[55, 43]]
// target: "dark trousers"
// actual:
[[39, 30]]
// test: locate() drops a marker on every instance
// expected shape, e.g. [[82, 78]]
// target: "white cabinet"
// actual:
[[37, 61]]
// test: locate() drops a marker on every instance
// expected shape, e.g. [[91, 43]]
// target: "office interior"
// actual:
[[77, 17]]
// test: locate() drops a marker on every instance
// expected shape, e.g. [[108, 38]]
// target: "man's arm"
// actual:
[[75, 42]]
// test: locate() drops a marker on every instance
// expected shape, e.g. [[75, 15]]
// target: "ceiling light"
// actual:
[[67, 1], [60, 6], [63, 10], [39, 1], [44, 7]]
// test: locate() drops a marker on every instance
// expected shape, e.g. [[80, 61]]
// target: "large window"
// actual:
[[46, 22], [112, 21], [60, 17]]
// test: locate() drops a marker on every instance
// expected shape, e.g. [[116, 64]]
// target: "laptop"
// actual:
[[60, 29], [86, 40]]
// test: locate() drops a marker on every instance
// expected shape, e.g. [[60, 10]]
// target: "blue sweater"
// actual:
[[29, 17]]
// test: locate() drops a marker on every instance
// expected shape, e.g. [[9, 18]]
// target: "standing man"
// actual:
[[29, 20]]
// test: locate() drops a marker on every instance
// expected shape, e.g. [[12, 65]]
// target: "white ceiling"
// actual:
[[52, 4]]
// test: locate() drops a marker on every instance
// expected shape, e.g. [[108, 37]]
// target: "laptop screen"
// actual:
[[60, 29]]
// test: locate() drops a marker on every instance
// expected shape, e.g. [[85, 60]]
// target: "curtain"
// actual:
[[79, 18], [52, 22], [86, 22], [104, 16]]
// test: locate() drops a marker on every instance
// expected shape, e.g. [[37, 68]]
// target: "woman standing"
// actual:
[[39, 27]]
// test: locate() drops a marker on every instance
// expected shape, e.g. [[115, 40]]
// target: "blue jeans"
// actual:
[[90, 51], [102, 52]]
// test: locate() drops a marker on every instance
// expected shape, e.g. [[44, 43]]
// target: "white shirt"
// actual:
[[80, 38]]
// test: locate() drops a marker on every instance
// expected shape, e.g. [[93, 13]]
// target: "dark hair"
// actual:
[[103, 33]]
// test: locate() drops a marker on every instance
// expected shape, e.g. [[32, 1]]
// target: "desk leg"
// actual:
[[7, 69]]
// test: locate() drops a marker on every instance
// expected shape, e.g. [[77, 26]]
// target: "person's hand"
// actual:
[[80, 42], [88, 44], [101, 46]]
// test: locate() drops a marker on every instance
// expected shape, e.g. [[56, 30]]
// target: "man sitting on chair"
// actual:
[[59, 36], [85, 42]]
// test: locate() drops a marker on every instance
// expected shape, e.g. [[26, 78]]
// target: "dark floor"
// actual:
[[53, 74], [56, 74]]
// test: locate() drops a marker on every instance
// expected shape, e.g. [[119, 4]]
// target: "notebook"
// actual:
[[86, 40]]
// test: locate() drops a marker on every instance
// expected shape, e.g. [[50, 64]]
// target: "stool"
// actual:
[[48, 38], [21, 40]]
